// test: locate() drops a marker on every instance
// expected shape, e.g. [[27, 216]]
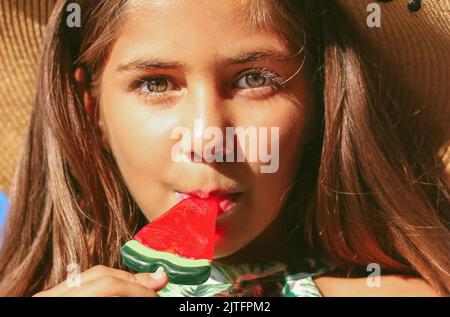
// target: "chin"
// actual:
[[223, 251], [227, 247]]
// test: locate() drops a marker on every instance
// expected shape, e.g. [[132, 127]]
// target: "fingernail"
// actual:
[[159, 273]]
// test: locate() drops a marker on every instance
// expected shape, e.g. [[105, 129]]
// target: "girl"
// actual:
[[352, 189]]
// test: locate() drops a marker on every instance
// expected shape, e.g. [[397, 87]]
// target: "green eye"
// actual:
[[255, 80], [156, 85]]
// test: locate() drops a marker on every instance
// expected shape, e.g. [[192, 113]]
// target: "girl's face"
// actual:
[[195, 64]]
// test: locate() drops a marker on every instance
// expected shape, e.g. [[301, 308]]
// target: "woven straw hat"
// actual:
[[412, 46], [21, 31]]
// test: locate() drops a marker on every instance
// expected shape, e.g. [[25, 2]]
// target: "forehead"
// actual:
[[214, 11], [188, 28]]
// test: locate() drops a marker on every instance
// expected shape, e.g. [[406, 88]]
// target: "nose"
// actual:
[[205, 115]]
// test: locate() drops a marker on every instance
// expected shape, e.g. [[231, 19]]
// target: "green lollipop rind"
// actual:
[[142, 259]]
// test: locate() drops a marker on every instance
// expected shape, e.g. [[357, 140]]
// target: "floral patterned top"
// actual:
[[262, 279]]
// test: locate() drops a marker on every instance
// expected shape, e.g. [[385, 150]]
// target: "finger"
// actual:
[[89, 275], [43, 294], [101, 270], [155, 281], [110, 286]]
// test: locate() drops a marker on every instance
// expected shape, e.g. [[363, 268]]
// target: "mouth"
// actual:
[[227, 200]]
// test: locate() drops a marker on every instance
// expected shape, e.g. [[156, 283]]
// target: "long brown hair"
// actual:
[[378, 194]]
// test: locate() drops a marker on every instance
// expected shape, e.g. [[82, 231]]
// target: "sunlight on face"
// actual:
[[178, 61]]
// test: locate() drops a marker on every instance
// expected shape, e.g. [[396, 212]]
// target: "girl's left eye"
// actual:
[[259, 78], [253, 80]]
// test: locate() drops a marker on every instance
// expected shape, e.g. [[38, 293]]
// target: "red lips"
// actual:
[[226, 201]]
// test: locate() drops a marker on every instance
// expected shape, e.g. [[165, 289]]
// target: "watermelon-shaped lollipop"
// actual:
[[181, 241]]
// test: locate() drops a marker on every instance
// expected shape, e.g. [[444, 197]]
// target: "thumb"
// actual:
[[154, 281]]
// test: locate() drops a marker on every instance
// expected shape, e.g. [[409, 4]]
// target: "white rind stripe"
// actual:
[[151, 253]]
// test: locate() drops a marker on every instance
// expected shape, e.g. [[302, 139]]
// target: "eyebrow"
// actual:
[[256, 56], [148, 63]]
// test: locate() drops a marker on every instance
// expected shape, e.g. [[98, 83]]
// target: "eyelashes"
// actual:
[[272, 82], [256, 82], [150, 88], [270, 77]]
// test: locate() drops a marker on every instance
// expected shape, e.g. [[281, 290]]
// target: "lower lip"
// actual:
[[226, 202]]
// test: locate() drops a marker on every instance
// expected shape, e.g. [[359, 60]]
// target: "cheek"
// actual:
[[288, 117], [268, 190], [139, 138], [291, 114], [137, 135], [272, 186]]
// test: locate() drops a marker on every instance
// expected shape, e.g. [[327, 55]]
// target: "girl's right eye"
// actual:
[[156, 85], [156, 89]]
